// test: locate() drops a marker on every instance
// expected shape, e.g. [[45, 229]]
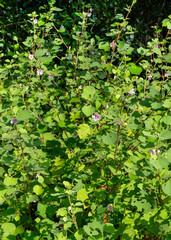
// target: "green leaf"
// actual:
[[40, 23], [88, 92], [38, 189], [109, 139], [62, 211], [82, 195], [8, 181], [167, 103], [167, 188], [165, 21], [124, 48], [41, 128], [166, 134], [156, 105], [88, 110], [108, 227], [119, 16], [46, 59], [160, 163], [168, 58], [61, 123], [142, 50], [83, 131], [56, 9], [8, 227], [79, 234], [157, 51], [104, 45], [40, 52], [24, 115], [166, 120], [41, 208], [48, 136], [134, 69]]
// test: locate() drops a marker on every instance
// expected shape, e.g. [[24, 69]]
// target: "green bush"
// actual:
[[85, 122]]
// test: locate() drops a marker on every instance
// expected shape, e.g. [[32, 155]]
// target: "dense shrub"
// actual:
[[85, 131]]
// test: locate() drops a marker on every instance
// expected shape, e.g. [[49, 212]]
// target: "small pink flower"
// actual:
[[89, 14], [153, 151], [31, 56], [79, 87], [92, 52], [104, 61], [50, 76], [156, 46], [166, 74], [70, 56], [37, 175], [128, 41], [132, 36], [48, 53], [124, 29], [120, 123], [35, 21], [131, 91], [110, 208], [14, 121], [91, 9], [39, 72], [149, 77], [62, 27], [96, 117], [112, 44], [75, 135]]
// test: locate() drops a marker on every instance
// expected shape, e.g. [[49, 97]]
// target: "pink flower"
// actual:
[[75, 135], [14, 121], [89, 14], [166, 74], [132, 36], [96, 117], [149, 77], [92, 52], [112, 44], [104, 61], [31, 56], [62, 27], [128, 41], [70, 56], [131, 91], [48, 53], [110, 208], [153, 151], [120, 123], [91, 9], [79, 87], [39, 72], [124, 29], [35, 21], [50, 76], [37, 175]]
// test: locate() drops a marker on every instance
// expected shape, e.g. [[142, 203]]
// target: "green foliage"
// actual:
[[85, 126]]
